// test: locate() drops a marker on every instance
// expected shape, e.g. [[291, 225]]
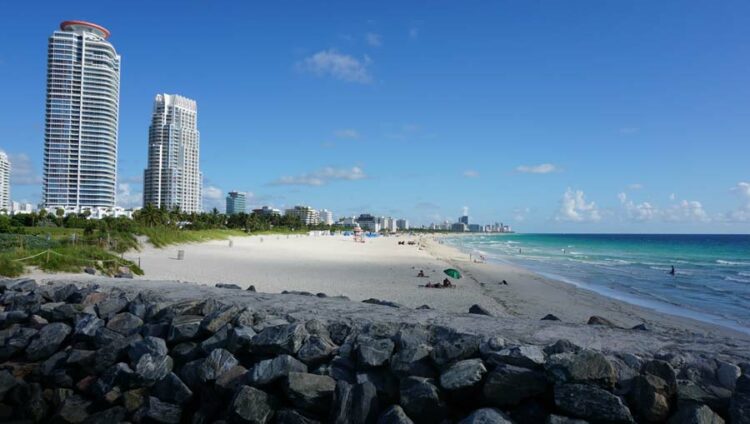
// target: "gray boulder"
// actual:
[[217, 363], [150, 369], [184, 328], [373, 352], [219, 339], [239, 338], [172, 390], [394, 415], [452, 346], [591, 403], [649, 398], [479, 310], [125, 323], [463, 374], [290, 416], [691, 413], [558, 419], [47, 341], [270, 370], [663, 370], [586, 366], [163, 412], [316, 349], [727, 374], [521, 356], [154, 346], [74, 409], [508, 385], [486, 416], [309, 392], [739, 408], [219, 318], [250, 405], [279, 339], [421, 400], [111, 306]]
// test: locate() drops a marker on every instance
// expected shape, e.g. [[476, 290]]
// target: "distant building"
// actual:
[[402, 224], [5, 206], [369, 223], [389, 224], [476, 228], [17, 208], [306, 214], [267, 211], [173, 177], [464, 219], [235, 203], [347, 221], [326, 217], [459, 227]]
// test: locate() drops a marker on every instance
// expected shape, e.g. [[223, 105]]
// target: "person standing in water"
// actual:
[[672, 272]]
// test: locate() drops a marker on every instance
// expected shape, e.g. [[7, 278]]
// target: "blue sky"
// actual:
[[582, 116]]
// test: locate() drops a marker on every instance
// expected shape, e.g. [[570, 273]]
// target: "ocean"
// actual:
[[711, 283]]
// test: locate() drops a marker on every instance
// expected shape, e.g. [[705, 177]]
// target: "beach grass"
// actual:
[[165, 236], [64, 259]]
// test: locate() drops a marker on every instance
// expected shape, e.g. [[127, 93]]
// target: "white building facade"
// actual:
[[173, 177], [5, 206], [82, 112], [326, 217], [306, 214]]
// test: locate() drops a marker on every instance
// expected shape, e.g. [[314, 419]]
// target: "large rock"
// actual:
[[74, 409], [421, 400], [250, 405], [125, 323], [113, 352], [452, 346], [239, 338], [290, 416], [413, 361], [394, 415], [309, 391], [148, 345], [649, 398], [279, 339], [364, 403], [508, 385], [486, 416], [163, 412], [119, 374], [219, 339], [739, 409], [591, 403], [520, 356], [270, 370], [111, 306], [316, 349], [47, 341], [691, 413], [115, 414], [233, 378], [149, 369], [172, 390], [727, 374], [217, 363], [184, 328], [7, 383], [463, 374], [373, 352], [558, 419], [586, 367], [219, 318], [663, 370]]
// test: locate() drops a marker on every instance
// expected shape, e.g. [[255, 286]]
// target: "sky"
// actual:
[[550, 116]]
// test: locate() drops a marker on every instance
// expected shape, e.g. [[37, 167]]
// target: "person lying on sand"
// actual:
[[447, 283]]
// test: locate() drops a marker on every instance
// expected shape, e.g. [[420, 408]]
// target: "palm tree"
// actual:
[[151, 216]]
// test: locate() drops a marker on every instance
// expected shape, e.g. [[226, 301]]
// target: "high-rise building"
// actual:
[[402, 224], [326, 217], [4, 183], [236, 203], [306, 214], [173, 177], [80, 134], [464, 219]]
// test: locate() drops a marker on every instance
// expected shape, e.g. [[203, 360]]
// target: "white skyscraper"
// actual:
[[4, 183], [80, 135], [173, 176]]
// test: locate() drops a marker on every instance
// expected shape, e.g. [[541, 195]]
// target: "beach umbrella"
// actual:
[[453, 273]]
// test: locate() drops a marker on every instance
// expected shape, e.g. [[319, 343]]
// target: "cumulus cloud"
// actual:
[[323, 176], [741, 214], [544, 168], [575, 208], [22, 171], [213, 197], [337, 65], [638, 211], [347, 133], [128, 197], [373, 39], [686, 210], [470, 173]]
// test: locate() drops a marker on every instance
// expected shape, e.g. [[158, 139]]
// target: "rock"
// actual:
[[132, 400], [228, 286], [309, 391], [424, 307], [7, 383], [486, 416], [185, 352], [586, 366], [691, 413], [119, 374], [453, 346], [17, 341], [270, 370], [727, 374], [463, 374], [316, 349], [479, 310], [342, 403], [290, 416], [74, 409], [250, 405], [550, 317], [356, 404], [558, 419], [640, 327], [279, 339], [420, 399], [218, 319], [597, 320], [163, 412], [648, 399], [527, 356], [217, 363], [113, 352], [148, 345], [413, 361], [54, 362], [231, 379], [111, 305], [491, 345], [373, 352], [104, 337], [184, 328], [112, 415], [150, 369], [251, 288], [12, 317], [37, 322], [89, 270], [663, 370], [239, 338], [591, 403], [125, 323], [80, 357], [384, 381], [172, 390], [246, 318], [47, 341], [382, 302], [739, 408], [339, 331], [218, 340], [190, 374], [561, 346], [394, 415], [508, 385]]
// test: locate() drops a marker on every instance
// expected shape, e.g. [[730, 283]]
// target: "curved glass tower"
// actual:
[[80, 136]]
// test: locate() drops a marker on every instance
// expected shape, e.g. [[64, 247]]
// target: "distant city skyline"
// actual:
[[593, 118]]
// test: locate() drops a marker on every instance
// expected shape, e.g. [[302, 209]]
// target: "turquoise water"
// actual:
[[711, 283]]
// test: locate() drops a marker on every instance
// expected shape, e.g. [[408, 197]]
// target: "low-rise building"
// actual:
[[402, 224], [306, 214], [267, 211]]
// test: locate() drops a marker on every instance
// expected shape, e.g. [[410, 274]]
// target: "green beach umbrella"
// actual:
[[453, 273]]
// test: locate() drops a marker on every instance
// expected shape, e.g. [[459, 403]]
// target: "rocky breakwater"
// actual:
[[87, 354]]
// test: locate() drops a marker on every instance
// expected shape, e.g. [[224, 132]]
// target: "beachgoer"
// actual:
[[421, 273], [447, 283], [672, 272], [505, 283]]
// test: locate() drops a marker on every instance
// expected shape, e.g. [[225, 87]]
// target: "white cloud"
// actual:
[[672, 197], [127, 197], [635, 186], [686, 210], [373, 39], [22, 170], [574, 208], [465, 211], [337, 65], [348, 133], [323, 176], [544, 168], [638, 211], [743, 190], [741, 214], [213, 197], [470, 173]]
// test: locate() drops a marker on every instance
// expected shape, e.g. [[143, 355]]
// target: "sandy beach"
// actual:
[[382, 269]]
